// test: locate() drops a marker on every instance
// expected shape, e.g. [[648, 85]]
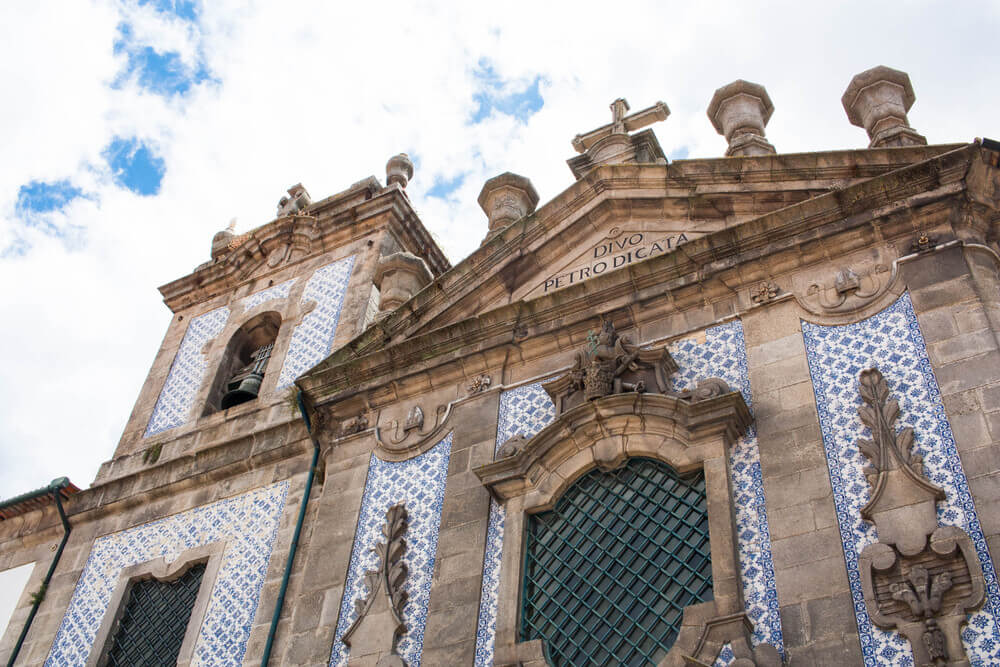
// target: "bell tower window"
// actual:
[[609, 570], [244, 363]]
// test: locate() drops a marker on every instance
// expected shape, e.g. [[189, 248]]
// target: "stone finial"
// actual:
[[739, 111], [505, 199], [877, 100], [399, 169], [221, 240], [298, 200], [398, 277]]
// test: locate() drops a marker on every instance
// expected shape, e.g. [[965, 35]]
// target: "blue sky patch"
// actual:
[[443, 187], [679, 153], [135, 166], [161, 73], [40, 197], [505, 97], [184, 9]]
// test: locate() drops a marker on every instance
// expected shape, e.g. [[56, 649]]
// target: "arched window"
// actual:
[[610, 569], [244, 363]]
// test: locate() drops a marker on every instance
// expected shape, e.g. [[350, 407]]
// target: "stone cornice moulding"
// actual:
[[309, 234], [366, 358], [682, 432]]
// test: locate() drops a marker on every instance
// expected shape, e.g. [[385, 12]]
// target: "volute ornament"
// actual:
[[920, 578], [849, 292]]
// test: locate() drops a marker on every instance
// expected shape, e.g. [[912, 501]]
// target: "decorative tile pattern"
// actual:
[[726, 656], [892, 341], [187, 372], [248, 523], [528, 409], [277, 292], [312, 338], [723, 355], [419, 484]]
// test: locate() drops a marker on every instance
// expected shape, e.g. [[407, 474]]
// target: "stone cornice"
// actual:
[[684, 275], [325, 225], [200, 468]]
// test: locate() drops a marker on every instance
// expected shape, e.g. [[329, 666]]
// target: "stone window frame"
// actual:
[[160, 570], [685, 434]]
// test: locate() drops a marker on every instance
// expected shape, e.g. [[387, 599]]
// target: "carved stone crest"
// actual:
[[610, 364], [919, 578], [379, 622], [415, 419]]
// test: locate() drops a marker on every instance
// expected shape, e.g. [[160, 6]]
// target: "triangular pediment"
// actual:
[[621, 215]]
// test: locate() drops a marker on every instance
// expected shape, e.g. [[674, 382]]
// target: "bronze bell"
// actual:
[[245, 384]]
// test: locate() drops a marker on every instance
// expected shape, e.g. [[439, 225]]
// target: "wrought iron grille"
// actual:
[[154, 620], [609, 571]]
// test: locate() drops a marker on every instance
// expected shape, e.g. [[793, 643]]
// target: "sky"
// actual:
[[133, 130]]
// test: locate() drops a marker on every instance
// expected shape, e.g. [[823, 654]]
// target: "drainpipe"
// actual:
[[55, 488], [295, 536]]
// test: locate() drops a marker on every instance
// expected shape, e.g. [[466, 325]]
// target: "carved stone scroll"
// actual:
[[849, 292], [919, 578], [379, 622]]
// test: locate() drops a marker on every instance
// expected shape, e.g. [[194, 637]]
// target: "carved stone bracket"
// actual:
[[919, 578], [379, 622], [354, 425]]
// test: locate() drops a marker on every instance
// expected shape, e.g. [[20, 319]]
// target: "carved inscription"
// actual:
[[615, 253]]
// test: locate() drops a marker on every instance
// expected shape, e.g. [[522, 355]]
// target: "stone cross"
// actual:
[[621, 124]]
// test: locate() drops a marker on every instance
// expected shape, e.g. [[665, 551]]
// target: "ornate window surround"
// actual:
[[686, 433], [161, 570]]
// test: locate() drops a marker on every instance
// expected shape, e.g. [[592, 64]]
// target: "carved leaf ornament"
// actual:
[[920, 578]]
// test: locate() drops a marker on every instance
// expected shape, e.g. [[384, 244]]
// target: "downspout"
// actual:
[[295, 536], [55, 488]]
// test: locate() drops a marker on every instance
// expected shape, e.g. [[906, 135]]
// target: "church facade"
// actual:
[[737, 411]]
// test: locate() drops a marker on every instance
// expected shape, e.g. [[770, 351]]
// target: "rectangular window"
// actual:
[[154, 620]]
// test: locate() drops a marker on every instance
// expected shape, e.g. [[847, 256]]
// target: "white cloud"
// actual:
[[324, 93]]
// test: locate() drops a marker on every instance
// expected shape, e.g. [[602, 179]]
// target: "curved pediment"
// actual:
[[681, 431]]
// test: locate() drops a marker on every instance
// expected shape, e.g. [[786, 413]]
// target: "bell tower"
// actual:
[[268, 305]]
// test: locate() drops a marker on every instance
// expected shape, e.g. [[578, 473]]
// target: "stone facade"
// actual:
[[818, 335]]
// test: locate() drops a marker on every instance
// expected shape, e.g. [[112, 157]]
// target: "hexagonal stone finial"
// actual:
[[399, 169], [398, 277], [877, 100], [740, 111], [505, 199]]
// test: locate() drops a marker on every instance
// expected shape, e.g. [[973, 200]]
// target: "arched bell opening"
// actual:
[[244, 363]]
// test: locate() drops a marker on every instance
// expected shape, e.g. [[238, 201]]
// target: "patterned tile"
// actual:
[[723, 355], [892, 341], [312, 338], [248, 523], [419, 484], [528, 409], [263, 296], [187, 372]]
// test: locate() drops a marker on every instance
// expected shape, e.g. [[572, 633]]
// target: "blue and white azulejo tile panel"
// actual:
[[247, 523], [526, 410], [892, 341], [419, 484], [279, 291], [723, 355], [187, 372], [312, 338]]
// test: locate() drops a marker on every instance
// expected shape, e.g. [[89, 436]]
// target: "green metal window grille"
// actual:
[[609, 571], [155, 618]]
